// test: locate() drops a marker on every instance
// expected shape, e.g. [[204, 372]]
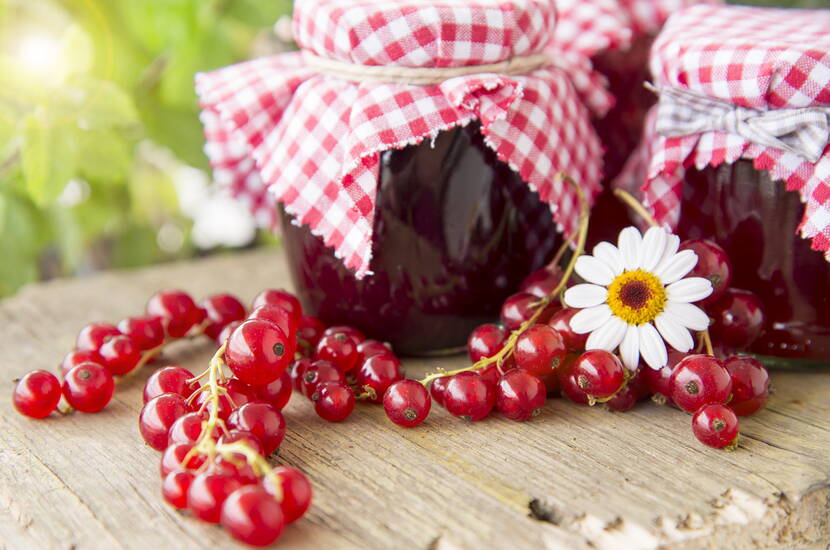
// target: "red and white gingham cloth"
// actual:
[[314, 141], [753, 58]]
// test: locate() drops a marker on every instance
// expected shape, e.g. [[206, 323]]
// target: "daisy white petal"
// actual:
[[677, 267], [594, 270], [672, 246], [609, 254], [692, 289], [690, 316], [652, 346], [673, 332], [629, 243], [654, 244], [608, 336], [589, 319], [585, 295], [630, 348]]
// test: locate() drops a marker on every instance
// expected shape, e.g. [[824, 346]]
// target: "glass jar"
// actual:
[[755, 219], [455, 232]]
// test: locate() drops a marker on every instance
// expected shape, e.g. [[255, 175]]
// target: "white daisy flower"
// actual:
[[637, 298]]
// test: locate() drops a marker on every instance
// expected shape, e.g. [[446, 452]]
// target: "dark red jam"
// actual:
[[755, 220], [455, 232]]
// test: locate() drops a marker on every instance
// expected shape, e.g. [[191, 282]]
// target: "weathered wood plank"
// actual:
[[602, 480]]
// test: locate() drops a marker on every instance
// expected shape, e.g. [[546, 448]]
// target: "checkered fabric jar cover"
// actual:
[[280, 130], [740, 83]]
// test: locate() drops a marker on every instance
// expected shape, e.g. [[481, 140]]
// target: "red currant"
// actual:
[[296, 370], [252, 441], [120, 355], [37, 394], [204, 403], [491, 375], [88, 387], [712, 263], [469, 397], [282, 299], [561, 323], [517, 309], [174, 488], [253, 516], [542, 282], [624, 400], [177, 311], [370, 348], [356, 336], [93, 336], [715, 425], [221, 309], [258, 352], [738, 319], [539, 350], [570, 387], [76, 357], [227, 331], [240, 393], [319, 372], [296, 491], [277, 393], [333, 401], [520, 395], [172, 379], [699, 380], [340, 349], [208, 492], [407, 403], [186, 429], [309, 333], [238, 469], [174, 456], [146, 332], [750, 385], [158, 415], [598, 373], [379, 372], [437, 389], [658, 381], [486, 341], [278, 316], [262, 420]]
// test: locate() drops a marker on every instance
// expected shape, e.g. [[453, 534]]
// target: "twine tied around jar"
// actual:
[[804, 131], [422, 76]]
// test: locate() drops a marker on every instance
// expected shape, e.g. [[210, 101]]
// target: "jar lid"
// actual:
[[307, 128], [739, 82]]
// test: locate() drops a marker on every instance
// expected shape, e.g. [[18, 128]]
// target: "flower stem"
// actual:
[[707, 341], [636, 206]]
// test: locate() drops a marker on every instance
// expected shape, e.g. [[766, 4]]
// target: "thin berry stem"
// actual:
[[707, 341], [636, 206]]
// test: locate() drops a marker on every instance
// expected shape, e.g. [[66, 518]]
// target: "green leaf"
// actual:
[[104, 156], [48, 158], [95, 104]]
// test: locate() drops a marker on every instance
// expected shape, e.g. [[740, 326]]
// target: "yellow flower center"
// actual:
[[636, 297]]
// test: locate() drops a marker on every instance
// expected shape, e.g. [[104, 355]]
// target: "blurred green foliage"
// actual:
[[85, 86]]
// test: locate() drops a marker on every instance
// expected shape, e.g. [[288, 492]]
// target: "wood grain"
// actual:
[[596, 479]]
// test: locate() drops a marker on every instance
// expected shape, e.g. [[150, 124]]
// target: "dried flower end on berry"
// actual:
[[407, 403], [716, 425]]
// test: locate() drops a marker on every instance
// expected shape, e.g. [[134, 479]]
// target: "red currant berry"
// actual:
[[262, 420], [520, 395], [658, 381], [379, 372], [258, 352], [486, 341], [469, 397], [738, 319], [240, 393], [491, 375], [437, 389], [208, 492], [356, 336], [517, 309], [407, 403], [340, 349], [568, 383], [37, 394], [227, 331], [120, 355], [253, 516], [93, 336], [239, 469], [158, 415], [624, 400], [252, 441], [699, 380], [221, 309], [146, 332], [174, 488], [599, 373], [551, 382], [280, 298], [296, 370], [715, 425], [309, 333], [333, 401], [88, 387], [296, 491], [561, 323], [750, 385], [75, 358], [542, 282], [186, 429], [319, 372], [539, 350], [204, 404], [370, 348], [277, 393], [712, 263], [174, 456], [278, 316], [170, 379], [177, 311]]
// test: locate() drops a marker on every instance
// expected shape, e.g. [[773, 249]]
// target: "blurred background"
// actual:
[[101, 161]]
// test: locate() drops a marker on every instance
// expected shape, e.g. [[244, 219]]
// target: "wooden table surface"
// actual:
[[574, 477]]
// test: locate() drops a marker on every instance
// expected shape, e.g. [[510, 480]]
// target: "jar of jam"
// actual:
[[421, 157]]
